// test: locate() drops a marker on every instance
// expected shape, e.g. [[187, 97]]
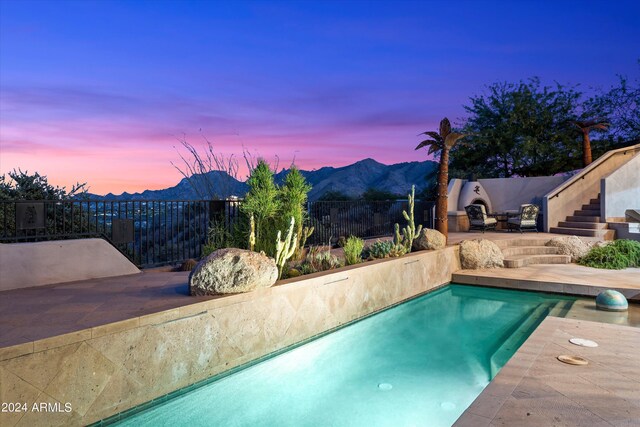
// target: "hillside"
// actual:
[[351, 180]]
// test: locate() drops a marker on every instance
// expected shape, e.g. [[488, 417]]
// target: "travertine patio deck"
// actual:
[[535, 389], [33, 313], [560, 278]]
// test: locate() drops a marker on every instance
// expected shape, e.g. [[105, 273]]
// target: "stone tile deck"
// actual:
[[560, 278], [535, 389], [33, 313]]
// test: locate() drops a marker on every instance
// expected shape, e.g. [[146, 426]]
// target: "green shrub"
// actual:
[[353, 250], [615, 256], [293, 203], [272, 207], [263, 203]]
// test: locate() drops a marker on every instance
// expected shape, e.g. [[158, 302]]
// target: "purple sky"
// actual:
[[100, 91]]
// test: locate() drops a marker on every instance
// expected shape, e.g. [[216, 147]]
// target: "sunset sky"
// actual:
[[99, 91]]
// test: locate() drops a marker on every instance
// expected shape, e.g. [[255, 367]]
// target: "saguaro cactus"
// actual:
[[285, 248], [410, 232]]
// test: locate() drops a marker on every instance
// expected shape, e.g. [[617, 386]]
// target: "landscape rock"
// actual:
[[429, 239], [229, 271], [480, 253], [572, 246]]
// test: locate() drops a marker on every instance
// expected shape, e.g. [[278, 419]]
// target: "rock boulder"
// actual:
[[229, 271], [570, 245], [429, 239], [480, 253]]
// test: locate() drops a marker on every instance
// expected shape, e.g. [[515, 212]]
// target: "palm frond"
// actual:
[[427, 142], [452, 138], [432, 134]]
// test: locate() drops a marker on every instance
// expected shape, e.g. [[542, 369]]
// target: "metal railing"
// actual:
[[160, 232], [362, 218], [148, 232]]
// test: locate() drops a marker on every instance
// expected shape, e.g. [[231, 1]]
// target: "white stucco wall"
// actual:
[[510, 193], [620, 190], [453, 193], [23, 265]]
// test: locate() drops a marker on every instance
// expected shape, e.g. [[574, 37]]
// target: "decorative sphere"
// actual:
[[611, 300]]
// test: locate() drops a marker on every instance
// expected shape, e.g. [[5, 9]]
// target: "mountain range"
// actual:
[[351, 180]]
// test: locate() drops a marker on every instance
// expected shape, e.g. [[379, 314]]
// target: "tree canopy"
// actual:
[[620, 105], [519, 129], [527, 129], [24, 186]]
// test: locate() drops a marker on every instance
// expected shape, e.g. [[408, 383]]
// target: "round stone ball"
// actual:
[[611, 300]]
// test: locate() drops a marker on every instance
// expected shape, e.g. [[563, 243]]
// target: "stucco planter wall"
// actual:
[[108, 369]]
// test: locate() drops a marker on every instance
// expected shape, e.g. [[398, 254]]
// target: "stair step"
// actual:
[[575, 218], [518, 242], [524, 260], [529, 250], [583, 224], [601, 234], [592, 207], [587, 212], [595, 201]]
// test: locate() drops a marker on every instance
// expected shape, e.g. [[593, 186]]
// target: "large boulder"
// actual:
[[429, 239], [230, 271], [571, 245], [480, 253]]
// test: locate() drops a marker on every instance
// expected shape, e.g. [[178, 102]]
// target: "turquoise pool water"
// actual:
[[420, 363]]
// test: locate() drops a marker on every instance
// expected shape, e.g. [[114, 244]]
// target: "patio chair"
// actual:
[[478, 219], [526, 219]]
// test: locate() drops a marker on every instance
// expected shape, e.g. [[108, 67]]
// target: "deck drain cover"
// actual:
[[448, 406], [572, 360], [583, 342], [385, 386]]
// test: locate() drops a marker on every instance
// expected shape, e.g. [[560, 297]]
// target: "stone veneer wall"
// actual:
[[108, 369]]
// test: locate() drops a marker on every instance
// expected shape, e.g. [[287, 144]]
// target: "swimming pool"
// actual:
[[420, 363]]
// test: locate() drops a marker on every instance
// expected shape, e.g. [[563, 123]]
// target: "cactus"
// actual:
[[410, 232], [397, 250], [397, 237], [285, 248], [252, 233], [306, 233]]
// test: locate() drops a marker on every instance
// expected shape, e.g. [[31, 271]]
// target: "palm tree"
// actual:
[[441, 142], [586, 127]]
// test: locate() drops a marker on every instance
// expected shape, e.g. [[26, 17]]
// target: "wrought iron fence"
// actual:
[[159, 232], [148, 232], [362, 218]]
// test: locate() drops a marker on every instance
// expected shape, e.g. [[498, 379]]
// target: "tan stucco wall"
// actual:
[[24, 265], [107, 369], [572, 194]]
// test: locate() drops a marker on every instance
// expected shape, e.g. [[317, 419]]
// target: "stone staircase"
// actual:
[[586, 222], [526, 251]]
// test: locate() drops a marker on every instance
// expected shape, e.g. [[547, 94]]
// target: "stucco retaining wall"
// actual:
[[23, 265], [107, 369]]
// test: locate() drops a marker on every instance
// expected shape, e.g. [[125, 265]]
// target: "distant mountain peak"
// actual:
[[352, 180]]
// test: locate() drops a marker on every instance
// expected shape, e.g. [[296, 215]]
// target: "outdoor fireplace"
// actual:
[[473, 193]]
